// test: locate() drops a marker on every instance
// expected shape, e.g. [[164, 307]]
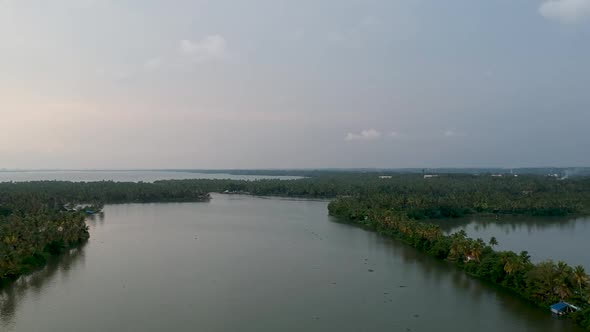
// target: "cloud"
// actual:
[[353, 36], [299, 34], [122, 75], [119, 74], [395, 135], [452, 133], [371, 21], [153, 64], [565, 11], [365, 135], [210, 48]]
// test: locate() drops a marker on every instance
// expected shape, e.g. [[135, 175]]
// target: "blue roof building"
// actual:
[[562, 308]]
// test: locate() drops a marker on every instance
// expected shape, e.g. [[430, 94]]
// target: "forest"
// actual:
[[43, 218], [33, 227], [444, 196]]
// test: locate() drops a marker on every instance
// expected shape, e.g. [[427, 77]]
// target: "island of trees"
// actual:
[[38, 219]]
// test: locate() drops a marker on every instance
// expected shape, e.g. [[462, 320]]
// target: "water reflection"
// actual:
[[97, 218], [12, 293], [510, 223], [270, 264], [432, 273], [555, 238]]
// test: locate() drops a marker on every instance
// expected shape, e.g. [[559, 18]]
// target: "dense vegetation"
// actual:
[[432, 198], [105, 191], [544, 283], [38, 219], [33, 227], [565, 172]]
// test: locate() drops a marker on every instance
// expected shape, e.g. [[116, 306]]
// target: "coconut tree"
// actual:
[[510, 265], [525, 257], [459, 245], [580, 277], [493, 242], [475, 250], [562, 290]]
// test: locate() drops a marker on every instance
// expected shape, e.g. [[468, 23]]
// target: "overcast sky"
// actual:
[[294, 83]]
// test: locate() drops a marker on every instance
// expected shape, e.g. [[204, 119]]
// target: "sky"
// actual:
[[294, 83]]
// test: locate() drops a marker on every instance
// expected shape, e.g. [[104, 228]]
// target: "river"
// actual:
[[242, 263], [557, 238]]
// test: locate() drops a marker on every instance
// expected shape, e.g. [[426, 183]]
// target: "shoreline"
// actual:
[[385, 229]]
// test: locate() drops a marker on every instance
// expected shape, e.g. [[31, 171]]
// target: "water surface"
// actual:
[[559, 239], [240, 263]]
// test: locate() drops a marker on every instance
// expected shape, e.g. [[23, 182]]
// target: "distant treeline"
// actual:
[[459, 195], [431, 198], [542, 171], [38, 219], [105, 192]]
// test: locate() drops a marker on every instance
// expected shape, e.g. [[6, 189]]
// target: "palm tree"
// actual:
[[475, 250], [457, 248], [493, 242], [563, 271], [525, 257], [580, 277], [563, 291], [510, 265], [459, 244], [562, 274]]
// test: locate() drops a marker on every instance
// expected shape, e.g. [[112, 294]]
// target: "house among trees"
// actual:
[[562, 308]]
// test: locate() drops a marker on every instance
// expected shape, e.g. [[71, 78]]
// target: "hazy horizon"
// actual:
[[394, 169], [264, 84]]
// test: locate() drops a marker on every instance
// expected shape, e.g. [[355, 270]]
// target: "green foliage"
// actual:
[[35, 231], [582, 317], [544, 283], [44, 218]]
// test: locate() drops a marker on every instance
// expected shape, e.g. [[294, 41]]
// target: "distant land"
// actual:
[[560, 172]]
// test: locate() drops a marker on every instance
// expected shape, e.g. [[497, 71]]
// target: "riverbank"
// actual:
[[38, 261], [542, 284], [303, 269], [389, 205], [43, 218]]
